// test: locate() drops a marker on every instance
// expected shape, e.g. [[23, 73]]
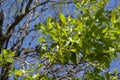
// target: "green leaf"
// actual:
[[117, 25], [113, 17], [1, 57], [73, 57], [35, 76], [15, 77], [37, 26], [50, 25], [18, 72], [105, 29], [29, 70], [42, 27], [53, 45], [48, 19], [64, 32], [80, 26], [107, 76], [73, 50], [84, 2], [69, 18], [41, 39], [39, 66], [8, 53], [28, 77], [115, 31], [92, 1], [11, 54], [9, 60], [5, 51], [54, 38], [57, 25], [99, 13], [62, 18], [114, 78]]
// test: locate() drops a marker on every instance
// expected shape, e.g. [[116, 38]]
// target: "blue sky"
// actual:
[[112, 4]]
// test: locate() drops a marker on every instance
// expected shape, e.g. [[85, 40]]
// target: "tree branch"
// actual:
[[18, 19], [1, 23]]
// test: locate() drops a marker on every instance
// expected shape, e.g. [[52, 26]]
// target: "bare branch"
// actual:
[[18, 19]]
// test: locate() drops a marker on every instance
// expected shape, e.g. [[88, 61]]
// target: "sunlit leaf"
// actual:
[[18, 72], [73, 50], [9, 60], [8, 53], [39, 66], [41, 39], [113, 16], [35, 76], [62, 18]]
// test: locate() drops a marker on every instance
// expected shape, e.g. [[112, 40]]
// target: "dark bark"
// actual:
[[5, 71], [1, 23]]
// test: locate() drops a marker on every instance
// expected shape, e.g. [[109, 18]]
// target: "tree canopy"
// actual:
[[73, 46]]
